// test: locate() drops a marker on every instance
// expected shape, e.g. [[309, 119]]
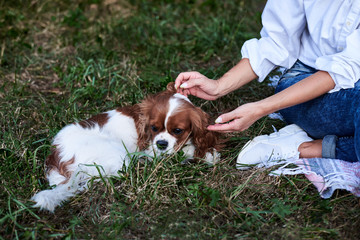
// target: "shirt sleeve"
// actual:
[[283, 23], [344, 66]]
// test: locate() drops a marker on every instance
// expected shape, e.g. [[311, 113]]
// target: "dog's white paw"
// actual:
[[212, 157], [45, 200]]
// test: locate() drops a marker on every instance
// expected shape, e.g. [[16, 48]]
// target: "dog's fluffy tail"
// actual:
[[50, 199]]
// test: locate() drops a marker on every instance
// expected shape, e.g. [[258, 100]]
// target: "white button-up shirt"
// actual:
[[323, 34]]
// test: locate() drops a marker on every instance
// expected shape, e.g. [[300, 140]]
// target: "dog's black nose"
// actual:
[[162, 144]]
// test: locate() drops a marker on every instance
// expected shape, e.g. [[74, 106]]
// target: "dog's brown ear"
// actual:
[[171, 87], [142, 125], [203, 139]]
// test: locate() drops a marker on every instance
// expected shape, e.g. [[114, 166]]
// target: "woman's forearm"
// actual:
[[303, 91], [236, 77]]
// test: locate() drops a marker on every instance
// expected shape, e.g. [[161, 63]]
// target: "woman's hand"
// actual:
[[239, 119], [196, 84]]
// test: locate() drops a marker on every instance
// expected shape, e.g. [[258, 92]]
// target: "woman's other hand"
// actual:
[[239, 119]]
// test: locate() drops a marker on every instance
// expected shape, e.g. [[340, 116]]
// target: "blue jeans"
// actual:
[[333, 117]]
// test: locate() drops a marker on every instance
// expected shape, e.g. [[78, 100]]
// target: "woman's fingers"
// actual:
[[235, 125], [239, 119], [184, 79], [196, 84]]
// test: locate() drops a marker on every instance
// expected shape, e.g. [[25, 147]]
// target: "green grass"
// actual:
[[62, 61]]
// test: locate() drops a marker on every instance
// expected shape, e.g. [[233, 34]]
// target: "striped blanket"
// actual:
[[327, 175]]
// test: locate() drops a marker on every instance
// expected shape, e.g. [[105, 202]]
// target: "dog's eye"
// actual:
[[154, 129], [177, 131]]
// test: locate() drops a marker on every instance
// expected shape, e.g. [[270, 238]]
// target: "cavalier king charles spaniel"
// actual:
[[102, 145]]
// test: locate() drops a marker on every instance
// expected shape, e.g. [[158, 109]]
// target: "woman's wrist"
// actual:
[[261, 109], [236, 77], [221, 87]]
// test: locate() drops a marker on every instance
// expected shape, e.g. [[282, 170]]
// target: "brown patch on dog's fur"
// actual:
[[52, 160], [140, 124], [63, 169], [100, 119], [53, 163]]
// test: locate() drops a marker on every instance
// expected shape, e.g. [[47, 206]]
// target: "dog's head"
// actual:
[[172, 121]]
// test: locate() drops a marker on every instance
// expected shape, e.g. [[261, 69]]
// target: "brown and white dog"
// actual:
[[161, 124]]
